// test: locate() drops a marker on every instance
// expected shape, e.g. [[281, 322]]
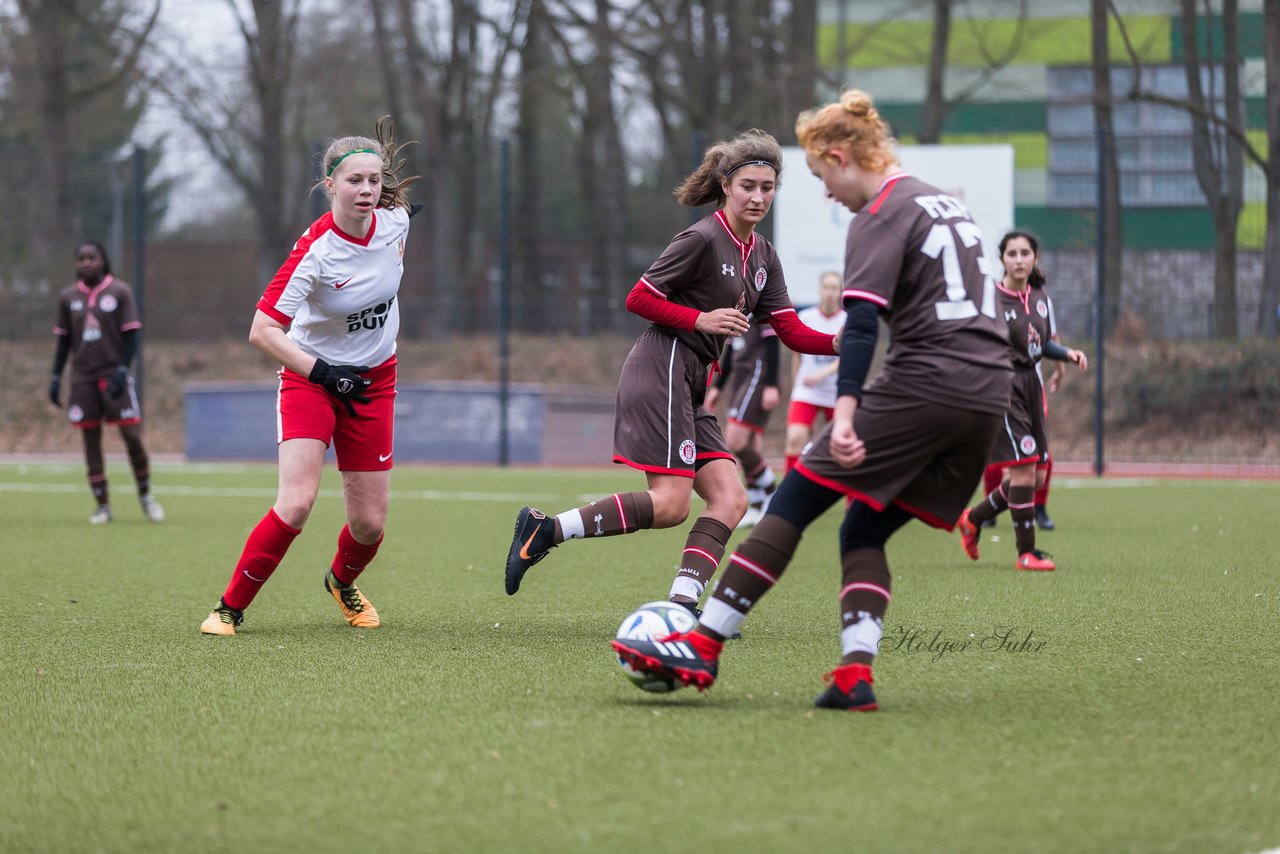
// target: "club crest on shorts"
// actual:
[[75, 414], [761, 278], [1042, 308], [688, 452], [107, 303], [1028, 444]]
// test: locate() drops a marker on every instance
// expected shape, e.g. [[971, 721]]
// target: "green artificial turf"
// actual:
[[1141, 715]]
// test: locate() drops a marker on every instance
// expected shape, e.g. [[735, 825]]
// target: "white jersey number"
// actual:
[[957, 305]]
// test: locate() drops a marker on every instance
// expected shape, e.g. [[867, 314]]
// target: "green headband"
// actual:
[[348, 154]]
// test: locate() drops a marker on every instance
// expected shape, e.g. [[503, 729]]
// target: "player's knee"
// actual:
[[670, 510], [795, 441], [366, 527], [293, 512]]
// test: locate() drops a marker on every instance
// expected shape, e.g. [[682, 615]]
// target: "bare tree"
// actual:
[[248, 144], [937, 105], [1218, 161], [1219, 145], [1269, 321], [1109, 174], [53, 25]]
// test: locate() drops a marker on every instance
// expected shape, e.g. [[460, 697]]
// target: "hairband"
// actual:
[[752, 163], [348, 154]]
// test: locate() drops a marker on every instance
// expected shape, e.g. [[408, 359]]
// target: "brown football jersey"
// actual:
[[707, 267], [96, 319], [917, 254], [1029, 316]]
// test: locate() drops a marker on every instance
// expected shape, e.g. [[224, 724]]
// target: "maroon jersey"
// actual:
[[917, 254], [1029, 316], [707, 267], [96, 319]]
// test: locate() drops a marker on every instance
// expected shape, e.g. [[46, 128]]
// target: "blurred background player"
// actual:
[[994, 475], [913, 443], [749, 371], [1023, 441], [813, 389], [330, 318], [697, 294], [98, 327]]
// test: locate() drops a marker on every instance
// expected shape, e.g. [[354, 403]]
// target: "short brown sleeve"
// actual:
[[679, 263], [873, 256]]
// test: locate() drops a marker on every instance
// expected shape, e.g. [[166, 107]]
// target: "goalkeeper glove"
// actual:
[[342, 381]]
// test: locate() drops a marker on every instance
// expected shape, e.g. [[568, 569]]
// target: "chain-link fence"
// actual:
[[1175, 389]]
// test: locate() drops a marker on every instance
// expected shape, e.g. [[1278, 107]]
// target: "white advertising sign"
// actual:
[[809, 229]]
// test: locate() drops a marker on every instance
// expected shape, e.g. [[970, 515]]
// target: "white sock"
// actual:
[[571, 524], [687, 587], [862, 636], [721, 618], [765, 479]]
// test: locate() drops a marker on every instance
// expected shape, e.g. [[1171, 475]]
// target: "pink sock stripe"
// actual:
[[703, 553], [865, 585], [617, 499], [754, 568], [1021, 506], [97, 478]]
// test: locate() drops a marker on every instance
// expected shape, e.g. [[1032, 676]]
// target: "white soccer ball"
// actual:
[[654, 620]]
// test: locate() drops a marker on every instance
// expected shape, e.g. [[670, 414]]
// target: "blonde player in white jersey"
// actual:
[[330, 318], [813, 390]]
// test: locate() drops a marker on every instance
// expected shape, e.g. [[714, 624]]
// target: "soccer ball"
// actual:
[[654, 620]]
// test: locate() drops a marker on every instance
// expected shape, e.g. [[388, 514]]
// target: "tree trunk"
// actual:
[[52, 238], [802, 48], [1269, 306], [532, 304], [934, 110], [1109, 175], [1219, 162]]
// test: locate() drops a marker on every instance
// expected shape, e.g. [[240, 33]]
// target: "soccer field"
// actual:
[[1140, 716]]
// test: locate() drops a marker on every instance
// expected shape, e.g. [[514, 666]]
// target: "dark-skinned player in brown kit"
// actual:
[[713, 280], [913, 443]]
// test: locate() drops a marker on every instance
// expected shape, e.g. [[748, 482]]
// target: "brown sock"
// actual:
[[753, 463], [1022, 510], [700, 559], [864, 597], [991, 506], [621, 513], [756, 565]]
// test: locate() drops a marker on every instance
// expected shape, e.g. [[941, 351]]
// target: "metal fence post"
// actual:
[[504, 305], [1100, 312]]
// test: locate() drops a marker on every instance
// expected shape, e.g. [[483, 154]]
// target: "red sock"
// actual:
[[707, 646], [1042, 494], [352, 556], [992, 478], [848, 675], [791, 462], [262, 553]]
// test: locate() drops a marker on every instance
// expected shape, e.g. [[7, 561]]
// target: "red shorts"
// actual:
[[364, 442], [803, 412]]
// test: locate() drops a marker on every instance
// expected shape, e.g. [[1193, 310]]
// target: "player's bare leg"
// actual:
[[717, 483]]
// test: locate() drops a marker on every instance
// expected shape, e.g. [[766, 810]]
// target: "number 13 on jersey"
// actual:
[[941, 240]]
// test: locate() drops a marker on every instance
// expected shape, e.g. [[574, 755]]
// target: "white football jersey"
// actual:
[[338, 294], [824, 393]]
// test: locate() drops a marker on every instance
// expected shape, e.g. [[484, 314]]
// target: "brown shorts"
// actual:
[[926, 458], [90, 404], [1023, 437], [746, 396], [660, 424]]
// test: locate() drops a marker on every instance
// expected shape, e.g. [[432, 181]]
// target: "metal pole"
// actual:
[[140, 242], [504, 305], [1100, 307]]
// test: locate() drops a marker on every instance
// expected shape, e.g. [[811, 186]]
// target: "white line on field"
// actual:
[[266, 492]]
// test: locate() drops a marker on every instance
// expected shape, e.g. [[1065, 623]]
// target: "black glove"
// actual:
[[342, 381], [118, 381], [55, 386]]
